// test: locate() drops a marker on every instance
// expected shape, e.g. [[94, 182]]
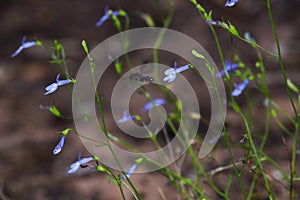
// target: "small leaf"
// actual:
[[197, 54], [39, 43], [299, 101], [233, 30], [122, 13], [148, 19], [139, 160], [194, 2], [66, 131], [292, 86], [101, 169], [85, 47], [273, 113], [54, 111], [200, 8], [118, 66], [138, 118]]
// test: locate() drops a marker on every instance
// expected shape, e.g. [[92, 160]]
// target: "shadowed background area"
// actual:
[[28, 170]]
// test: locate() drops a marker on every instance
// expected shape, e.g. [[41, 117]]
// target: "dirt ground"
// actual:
[[28, 170]]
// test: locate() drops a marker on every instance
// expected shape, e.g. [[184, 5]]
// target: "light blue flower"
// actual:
[[54, 86], [76, 165], [171, 73], [59, 146], [229, 68], [106, 16], [24, 45], [238, 88], [125, 118], [130, 171], [155, 102], [215, 23], [230, 3]]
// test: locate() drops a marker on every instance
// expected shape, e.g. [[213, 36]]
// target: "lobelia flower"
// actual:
[[155, 102], [24, 45], [130, 171], [125, 118], [215, 23], [106, 16], [75, 166], [228, 68], [230, 3], [59, 146], [171, 73], [238, 88], [54, 86]]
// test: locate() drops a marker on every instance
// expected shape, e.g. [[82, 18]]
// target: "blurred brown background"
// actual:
[[28, 170]]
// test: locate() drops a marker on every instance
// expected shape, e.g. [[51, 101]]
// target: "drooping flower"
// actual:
[[54, 86], [105, 17], [59, 146], [171, 73], [130, 171], [229, 68], [230, 3], [152, 103], [24, 45], [215, 23], [126, 117], [75, 166], [238, 88]]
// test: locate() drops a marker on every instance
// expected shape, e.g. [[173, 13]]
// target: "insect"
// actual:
[[141, 77]]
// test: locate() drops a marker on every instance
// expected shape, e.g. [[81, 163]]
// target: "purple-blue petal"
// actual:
[[85, 160], [182, 68], [51, 88], [129, 172], [102, 19], [59, 146], [24, 45], [155, 102], [229, 68], [212, 22], [230, 3], [64, 82], [18, 51], [29, 44], [126, 117], [115, 13], [238, 88], [74, 167]]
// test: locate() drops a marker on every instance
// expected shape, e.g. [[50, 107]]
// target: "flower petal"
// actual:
[[230, 3], [18, 51], [59, 146]]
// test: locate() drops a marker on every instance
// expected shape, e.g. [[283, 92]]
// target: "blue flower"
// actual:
[[25, 45], [59, 146], [54, 86], [75, 166], [171, 73], [215, 23], [228, 68], [155, 102], [130, 171], [230, 3], [125, 118], [106, 16], [238, 88]]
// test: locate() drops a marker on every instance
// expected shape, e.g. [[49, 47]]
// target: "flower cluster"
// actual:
[[230, 68]]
